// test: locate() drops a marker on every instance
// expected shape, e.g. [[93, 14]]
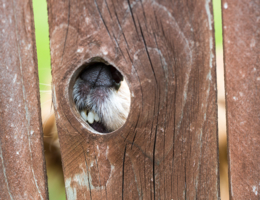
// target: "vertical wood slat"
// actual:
[[167, 149], [241, 25], [22, 163]]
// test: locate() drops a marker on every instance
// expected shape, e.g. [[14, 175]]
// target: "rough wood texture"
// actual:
[[167, 149], [22, 163], [241, 20]]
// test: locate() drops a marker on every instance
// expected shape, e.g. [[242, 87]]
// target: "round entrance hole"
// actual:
[[102, 96]]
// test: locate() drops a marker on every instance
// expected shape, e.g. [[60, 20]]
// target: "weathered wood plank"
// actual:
[[22, 163], [241, 25], [167, 149]]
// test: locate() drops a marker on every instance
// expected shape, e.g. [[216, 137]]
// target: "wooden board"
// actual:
[[22, 163], [241, 25], [167, 149]]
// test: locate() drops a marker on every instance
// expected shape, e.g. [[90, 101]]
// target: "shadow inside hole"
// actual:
[[101, 96]]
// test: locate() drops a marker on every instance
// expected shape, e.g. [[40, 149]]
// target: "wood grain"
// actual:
[[167, 148], [22, 163], [241, 21]]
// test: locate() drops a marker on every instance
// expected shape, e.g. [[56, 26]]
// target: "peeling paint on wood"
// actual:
[[241, 21], [167, 149], [22, 163]]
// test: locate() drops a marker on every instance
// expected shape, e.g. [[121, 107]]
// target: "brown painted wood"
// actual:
[[167, 149], [22, 163], [241, 24]]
